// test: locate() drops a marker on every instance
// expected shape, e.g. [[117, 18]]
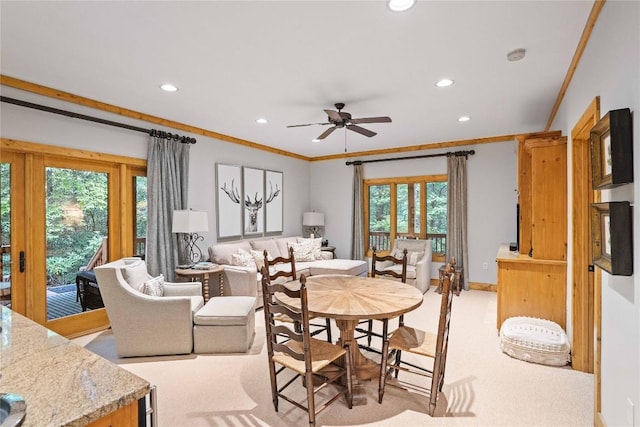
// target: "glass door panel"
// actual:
[[437, 215], [5, 234], [76, 239], [402, 210], [140, 224], [379, 217]]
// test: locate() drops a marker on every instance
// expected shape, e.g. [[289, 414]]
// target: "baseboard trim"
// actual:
[[476, 286], [599, 420]]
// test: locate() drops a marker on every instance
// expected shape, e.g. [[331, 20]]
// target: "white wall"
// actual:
[[610, 69], [491, 201], [46, 128]]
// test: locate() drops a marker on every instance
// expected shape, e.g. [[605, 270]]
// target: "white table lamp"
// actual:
[[313, 220], [190, 222]]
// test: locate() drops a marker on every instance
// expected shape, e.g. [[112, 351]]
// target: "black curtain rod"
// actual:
[[152, 132], [448, 154]]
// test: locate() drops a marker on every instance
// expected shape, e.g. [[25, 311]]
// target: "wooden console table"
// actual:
[[531, 287], [192, 274]]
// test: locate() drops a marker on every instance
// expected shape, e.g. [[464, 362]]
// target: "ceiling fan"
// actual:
[[341, 119]]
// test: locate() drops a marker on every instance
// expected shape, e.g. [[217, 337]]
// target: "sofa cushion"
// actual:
[[351, 267], [269, 245], [221, 253], [283, 244], [226, 311], [135, 274], [258, 258]]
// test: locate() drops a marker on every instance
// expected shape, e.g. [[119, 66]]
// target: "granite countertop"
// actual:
[[62, 383]]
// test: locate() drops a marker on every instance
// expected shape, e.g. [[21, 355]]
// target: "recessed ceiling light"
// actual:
[[261, 120], [464, 118], [168, 87], [444, 82], [315, 140], [401, 5], [516, 55]]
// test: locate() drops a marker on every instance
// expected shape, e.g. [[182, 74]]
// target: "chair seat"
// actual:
[[322, 354], [414, 341]]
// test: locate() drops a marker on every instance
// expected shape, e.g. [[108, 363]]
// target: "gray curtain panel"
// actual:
[[357, 227], [457, 217], [167, 181]]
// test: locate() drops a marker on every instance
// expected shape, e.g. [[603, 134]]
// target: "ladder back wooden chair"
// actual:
[[422, 343], [289, 274], [398, 270], [317, 362]]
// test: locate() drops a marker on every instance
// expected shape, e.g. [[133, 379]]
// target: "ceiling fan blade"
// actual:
[[334, 115], [307, 124], [361, 130], [371, 120], [326, 133]]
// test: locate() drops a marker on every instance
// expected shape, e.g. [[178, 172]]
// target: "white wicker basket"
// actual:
[[535, 340]]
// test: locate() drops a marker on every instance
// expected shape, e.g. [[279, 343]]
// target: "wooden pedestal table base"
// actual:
[[349, 299]]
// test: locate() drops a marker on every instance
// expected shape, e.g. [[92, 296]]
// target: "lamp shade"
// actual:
[[313, 219], [188, 221]]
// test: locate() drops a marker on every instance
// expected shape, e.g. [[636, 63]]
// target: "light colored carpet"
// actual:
[[483, 386]]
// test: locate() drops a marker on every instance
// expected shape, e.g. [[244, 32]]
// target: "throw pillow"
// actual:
[[135, 274], [316, 244], [305, 251], [258, 258], [412, 257], [154, 287], [243, 258]]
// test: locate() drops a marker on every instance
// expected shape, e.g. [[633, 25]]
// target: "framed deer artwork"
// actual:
[[229, 200], [253, 197], [273, 202]]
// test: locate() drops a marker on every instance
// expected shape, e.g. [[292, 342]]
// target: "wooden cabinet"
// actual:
[[533, 281], [531, 287], [542, 187]]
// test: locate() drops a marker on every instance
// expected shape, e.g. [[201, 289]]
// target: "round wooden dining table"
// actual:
[[349, 299]]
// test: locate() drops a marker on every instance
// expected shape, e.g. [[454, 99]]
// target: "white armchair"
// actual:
[[418, 261], [146, 325]]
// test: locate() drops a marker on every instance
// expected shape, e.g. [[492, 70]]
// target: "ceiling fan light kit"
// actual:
[[342, 119]]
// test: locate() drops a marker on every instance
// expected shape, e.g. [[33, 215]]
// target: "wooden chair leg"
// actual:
[[329, 340]]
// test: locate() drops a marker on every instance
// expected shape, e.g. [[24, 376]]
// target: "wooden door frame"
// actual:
[[36, 158], [585, 284]]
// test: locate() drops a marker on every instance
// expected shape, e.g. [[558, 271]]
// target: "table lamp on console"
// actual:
[[189, 223], [314, 220]]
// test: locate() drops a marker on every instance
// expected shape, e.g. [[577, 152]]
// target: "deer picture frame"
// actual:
[[274, 203], [253, 201], [228, 201]]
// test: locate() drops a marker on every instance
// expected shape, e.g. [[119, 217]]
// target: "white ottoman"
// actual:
[[224, 325], [535, 340]]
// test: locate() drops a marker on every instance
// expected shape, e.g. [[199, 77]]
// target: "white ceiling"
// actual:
[[287, 61]]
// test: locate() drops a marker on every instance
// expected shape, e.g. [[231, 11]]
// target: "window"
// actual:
[[409, 207]]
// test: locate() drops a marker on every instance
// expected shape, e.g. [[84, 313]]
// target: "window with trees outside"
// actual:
[[408, 207]]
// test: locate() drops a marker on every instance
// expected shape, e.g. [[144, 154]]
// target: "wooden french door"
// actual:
[[62, 202]]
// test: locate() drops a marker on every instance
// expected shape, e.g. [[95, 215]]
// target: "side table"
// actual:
[[458, 279], [192, 274], [331, 249]]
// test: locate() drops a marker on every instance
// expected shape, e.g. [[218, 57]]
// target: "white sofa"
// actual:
[[145, 325], [245, 280], [418, 262]]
